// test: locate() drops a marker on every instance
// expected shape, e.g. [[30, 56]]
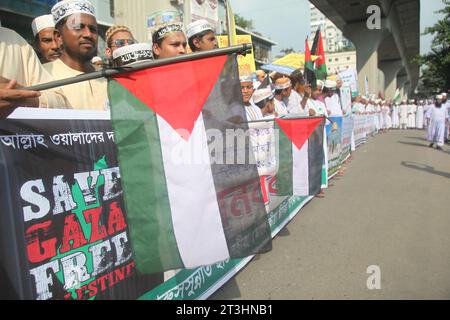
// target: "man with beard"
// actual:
[[77, 27], [436, 119], [47, 47]]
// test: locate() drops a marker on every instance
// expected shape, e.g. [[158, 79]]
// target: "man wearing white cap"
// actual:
[[283, 89], [437, 118], [47, 46], [77, 26], [264, 100], [251, 110], [20, 66], [201, 36], [332, 101]]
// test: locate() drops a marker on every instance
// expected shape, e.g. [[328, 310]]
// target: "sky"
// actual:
[[287, 21]]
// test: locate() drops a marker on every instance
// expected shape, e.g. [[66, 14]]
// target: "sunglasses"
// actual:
[[123, 42]]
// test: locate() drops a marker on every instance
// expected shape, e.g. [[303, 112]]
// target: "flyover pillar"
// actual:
[[366, 42], [391, 69]]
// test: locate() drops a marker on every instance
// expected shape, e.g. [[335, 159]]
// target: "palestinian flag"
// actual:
[[309, 74], [185, 207], [397, 97], [301, 155], [317, 49]]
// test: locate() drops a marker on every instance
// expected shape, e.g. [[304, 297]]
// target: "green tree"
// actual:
[[244, 23], [435, 65]]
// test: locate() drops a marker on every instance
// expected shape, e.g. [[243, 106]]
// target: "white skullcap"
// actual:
[[96, 59], [131, 54], [444, 94], [439, 97], [283, 83], [41, 23], [66, 8], [197, 27], [261, 95], [320, 83], [330, 84], [246, 78]]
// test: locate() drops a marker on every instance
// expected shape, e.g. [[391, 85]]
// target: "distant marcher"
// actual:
[[437, 119], [419, 115]]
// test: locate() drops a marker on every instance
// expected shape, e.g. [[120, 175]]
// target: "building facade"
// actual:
[[333, 39], [340, 61]]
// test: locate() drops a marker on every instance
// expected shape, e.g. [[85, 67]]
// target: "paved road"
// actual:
[[390, 209]]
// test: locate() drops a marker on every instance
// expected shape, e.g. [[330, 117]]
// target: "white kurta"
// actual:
[[395, 117], [253, 112], [438, 118], [403, 114], [319, 107], [412, 116], [87, 95], [334, 106], [19, 62], [419, 117], [280, 108]]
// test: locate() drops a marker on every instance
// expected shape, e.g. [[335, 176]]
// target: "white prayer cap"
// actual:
[[421, 101], [41, 23], [66, 8], [262, 96], [282, 83], [444, 94], [96, 59], [439, 97], [131, 54], [197, 27], [246, 78], [330, 84], [320, 83]]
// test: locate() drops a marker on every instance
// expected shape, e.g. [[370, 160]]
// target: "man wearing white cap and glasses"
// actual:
[[77, 26], [437, 118], [201, 36], [47, 46]]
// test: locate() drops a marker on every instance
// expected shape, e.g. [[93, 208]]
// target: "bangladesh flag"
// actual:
[[318, 50], [186, 208], [301, 155], [309, 74]]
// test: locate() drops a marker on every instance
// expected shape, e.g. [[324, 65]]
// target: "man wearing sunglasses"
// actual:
[[117, 37]]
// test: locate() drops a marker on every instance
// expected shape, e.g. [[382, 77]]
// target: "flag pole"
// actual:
[[296, 118], [106, 73], [229, 22]]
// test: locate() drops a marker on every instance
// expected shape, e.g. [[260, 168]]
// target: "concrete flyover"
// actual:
[[384, 55]]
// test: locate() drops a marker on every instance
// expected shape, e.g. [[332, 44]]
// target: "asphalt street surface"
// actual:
[[385, 222]]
